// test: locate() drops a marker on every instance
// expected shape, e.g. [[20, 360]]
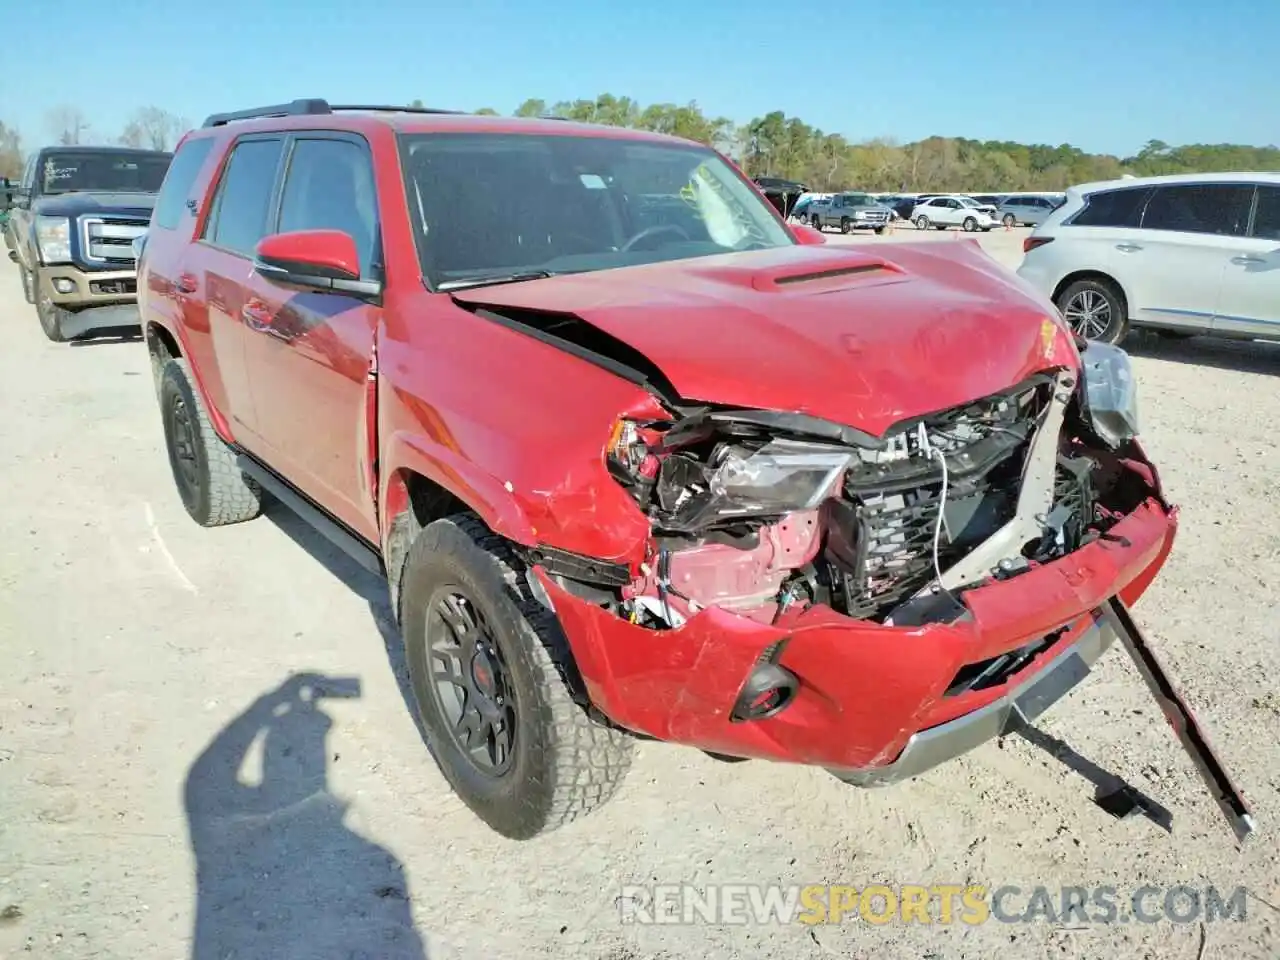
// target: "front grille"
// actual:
[[875, 215], [881, 547], [110, 239], [124, 286]]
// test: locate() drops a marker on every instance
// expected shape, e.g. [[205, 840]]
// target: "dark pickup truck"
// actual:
[[72, 222]]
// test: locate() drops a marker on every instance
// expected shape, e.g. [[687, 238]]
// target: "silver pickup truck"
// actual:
[[849, 212]]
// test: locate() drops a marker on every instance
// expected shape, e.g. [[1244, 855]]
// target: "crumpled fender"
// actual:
[[484, 493]]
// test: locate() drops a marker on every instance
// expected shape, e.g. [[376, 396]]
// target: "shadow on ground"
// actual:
[[370, 588], [107, 336], [278, 873], [1246, 356]]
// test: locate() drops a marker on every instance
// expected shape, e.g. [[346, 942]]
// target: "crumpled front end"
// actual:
[[815, 594]]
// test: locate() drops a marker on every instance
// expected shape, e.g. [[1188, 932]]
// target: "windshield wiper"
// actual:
[[467, 283]]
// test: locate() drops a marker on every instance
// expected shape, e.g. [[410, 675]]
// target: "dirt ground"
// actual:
[[143, 656]]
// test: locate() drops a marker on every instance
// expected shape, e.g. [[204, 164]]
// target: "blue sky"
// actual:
[[1105, 75]]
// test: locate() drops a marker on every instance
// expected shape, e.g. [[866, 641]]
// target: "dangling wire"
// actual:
[[933, 452]]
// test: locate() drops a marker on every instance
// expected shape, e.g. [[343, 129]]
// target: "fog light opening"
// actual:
[[63, 285], [768, 690]]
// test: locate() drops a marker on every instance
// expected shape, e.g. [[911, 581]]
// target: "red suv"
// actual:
[[636, 458]]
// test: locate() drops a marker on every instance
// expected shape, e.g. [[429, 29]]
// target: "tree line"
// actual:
[[776, 145]]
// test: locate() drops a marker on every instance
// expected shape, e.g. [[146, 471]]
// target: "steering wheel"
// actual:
[[651, 232]]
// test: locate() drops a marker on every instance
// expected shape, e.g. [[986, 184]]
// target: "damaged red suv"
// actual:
[[636, 458]]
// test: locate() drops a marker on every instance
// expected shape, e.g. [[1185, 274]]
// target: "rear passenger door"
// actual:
[[1177, 261], [308, 353], [1250, 298], [221, 275]]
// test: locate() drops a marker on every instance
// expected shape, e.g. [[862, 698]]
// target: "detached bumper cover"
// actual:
[[866, 690]]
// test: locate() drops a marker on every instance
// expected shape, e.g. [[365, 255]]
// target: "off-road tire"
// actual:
[[1118, 324], [28, 284], [565, 764], [217, 492], [922, 222]]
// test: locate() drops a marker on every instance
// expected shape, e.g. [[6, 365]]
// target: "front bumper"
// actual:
[[873, 701], [96, 299]]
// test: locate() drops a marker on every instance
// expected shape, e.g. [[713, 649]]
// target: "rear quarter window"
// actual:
[[178, 181], [1112, 208]]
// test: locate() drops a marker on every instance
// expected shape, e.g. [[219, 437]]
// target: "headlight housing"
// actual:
[[1111, 392], [53, 237], [777, 478]]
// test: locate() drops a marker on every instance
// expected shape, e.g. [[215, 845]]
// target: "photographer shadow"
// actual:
[[278, 873]]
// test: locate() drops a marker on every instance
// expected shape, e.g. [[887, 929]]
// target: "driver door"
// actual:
[[308, 354]]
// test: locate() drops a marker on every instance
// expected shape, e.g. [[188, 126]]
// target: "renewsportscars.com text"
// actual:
[[943, 904]]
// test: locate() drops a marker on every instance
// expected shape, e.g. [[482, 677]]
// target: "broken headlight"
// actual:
[[1111, 392], [737, 481]]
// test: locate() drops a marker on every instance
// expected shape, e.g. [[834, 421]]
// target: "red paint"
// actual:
[[348, 398], [330, 253]]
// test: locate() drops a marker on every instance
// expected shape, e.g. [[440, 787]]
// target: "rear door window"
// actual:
[[1266, 216], [1112, 208], [1215, 208], [178, 181], [242, 207]]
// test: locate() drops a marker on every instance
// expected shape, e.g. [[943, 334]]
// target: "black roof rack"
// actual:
[[309, 108]]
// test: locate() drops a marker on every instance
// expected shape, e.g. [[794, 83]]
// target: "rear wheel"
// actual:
[[213, 489], [493, 680], [816, 222], [1095, 310], [1010, 220]]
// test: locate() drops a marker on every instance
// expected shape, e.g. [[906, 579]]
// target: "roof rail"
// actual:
[[295, 108], [378, 108], [311, 108]]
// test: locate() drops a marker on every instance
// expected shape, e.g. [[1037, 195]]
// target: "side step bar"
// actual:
[[355, 546], [1181, 719]]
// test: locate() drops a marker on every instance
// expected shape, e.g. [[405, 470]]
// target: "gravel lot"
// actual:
[[134, 639]]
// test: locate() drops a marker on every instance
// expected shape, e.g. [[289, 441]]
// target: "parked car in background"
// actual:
[[851, 211], [988, 199], [1185, 255], [903, 205], [953, 211], [1024, 211], [72, 221]]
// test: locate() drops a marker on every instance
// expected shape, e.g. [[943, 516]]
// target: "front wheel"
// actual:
[[880, 231], [970, 225], [1094, 310], [1010, 221], [846, 225], [493, 678], [816, 222], [922, 222], [51, 318], [28, 284]]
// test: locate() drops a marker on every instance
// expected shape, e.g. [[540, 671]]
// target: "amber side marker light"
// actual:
[[1030, 243]]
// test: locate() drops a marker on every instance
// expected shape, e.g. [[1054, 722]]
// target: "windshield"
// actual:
[[502, 204], [859, 200], [968, 202], [106, 172]]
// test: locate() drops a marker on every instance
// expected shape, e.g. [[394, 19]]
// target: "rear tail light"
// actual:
[[1030, 243]]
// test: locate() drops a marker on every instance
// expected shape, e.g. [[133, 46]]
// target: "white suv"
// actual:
[[953, 211], [1186, 255]]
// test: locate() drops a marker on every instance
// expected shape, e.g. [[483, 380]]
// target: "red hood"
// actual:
[[922, 328]]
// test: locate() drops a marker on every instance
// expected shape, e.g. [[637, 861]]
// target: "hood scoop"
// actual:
[[834, 277]]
